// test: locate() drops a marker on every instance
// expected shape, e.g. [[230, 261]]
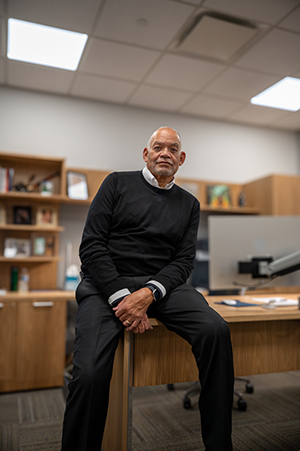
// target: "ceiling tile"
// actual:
[[74, 15], [292, 22], [30, 76], [289, 121], [194, 2], [210, 106], [183, 73], [254, 114], [277, 53], [269, 11], [98, 88], [2, 71], [117, 60], [2, 37], [216, 38], [240, 84], [158, 98], [151, 24]]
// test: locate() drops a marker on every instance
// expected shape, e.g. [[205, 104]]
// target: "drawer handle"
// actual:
[[43, 304], [1, 305]]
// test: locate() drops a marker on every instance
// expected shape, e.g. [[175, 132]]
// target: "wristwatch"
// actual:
[[155, 292]]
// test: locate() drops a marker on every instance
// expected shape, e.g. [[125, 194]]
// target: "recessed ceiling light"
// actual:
[[47, 46], [284, 95]]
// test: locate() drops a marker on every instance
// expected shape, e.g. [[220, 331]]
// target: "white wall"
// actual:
[[105, 136]]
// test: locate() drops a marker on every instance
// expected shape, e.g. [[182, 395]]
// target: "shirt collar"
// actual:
[[149, 177]]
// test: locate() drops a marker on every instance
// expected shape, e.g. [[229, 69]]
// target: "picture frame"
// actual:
[[77, 185], [22, 215], [46, 216], [2, 214], [218, 196], [42, 245], [16, 248]]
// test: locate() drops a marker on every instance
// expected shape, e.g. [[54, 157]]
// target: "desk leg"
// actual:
[[118, 431]]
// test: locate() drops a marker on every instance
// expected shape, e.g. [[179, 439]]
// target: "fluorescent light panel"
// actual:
[[47, 46], [284, 95]]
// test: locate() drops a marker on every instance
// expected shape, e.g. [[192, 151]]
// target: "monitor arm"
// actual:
[[267, 267]]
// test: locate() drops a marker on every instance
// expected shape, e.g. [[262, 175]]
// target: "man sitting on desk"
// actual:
[[137, 251]]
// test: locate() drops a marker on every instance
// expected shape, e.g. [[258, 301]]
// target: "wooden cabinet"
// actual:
[[8, 329], [32, 324], [275, 194], [32, 337]]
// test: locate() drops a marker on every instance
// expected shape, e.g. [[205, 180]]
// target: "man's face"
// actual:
[[164, 155]]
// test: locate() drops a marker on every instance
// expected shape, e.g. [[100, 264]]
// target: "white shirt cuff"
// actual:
[[118, 295]]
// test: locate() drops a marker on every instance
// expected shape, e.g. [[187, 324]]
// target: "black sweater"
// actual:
[[135, 229]]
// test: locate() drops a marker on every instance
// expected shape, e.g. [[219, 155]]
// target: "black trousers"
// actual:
[[184, 311]]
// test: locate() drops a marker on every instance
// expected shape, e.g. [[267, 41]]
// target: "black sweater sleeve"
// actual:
[[95, 258]]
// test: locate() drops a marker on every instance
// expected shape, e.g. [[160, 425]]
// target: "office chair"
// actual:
[[195, 386]]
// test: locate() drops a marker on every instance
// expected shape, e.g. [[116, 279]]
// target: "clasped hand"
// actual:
[[131, 311]]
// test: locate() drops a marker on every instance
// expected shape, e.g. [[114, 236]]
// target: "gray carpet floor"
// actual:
[[31, 421]]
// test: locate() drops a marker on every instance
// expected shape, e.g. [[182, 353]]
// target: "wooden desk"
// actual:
[[264, 341]]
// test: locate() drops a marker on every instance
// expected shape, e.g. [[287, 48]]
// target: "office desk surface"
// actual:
[[254, 313], [263, 341]]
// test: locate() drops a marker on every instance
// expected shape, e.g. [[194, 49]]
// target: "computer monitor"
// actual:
[[237, 238]]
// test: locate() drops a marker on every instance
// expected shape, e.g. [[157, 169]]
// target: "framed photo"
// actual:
[[77, 185], [16, 248], [46, 216], [218, 196], [22, 215], [2, 214], [42, 244]]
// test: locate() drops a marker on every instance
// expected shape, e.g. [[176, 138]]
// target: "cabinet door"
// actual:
[[40, 344], [8, 323]]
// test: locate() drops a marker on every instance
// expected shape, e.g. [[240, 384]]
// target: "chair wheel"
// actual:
[[242, 405], [187, 403], [170, 387], [249, 388]]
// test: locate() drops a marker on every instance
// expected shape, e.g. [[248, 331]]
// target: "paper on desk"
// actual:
[[278, 301]]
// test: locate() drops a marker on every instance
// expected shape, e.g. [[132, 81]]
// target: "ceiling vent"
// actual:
[[215, 36]]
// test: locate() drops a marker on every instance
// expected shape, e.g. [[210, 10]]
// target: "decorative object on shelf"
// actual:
[[72, 278], [14, 272], [22, 215], [16, 248], [218, 196], [22, 186], [27, 186], [46, 216], [242, 199], [23, 283], [77, 185], [2, 214], [46, 188], [42, 244]]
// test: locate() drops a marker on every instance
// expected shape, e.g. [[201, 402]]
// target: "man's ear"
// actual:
[[145, 154], [182, 158]]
